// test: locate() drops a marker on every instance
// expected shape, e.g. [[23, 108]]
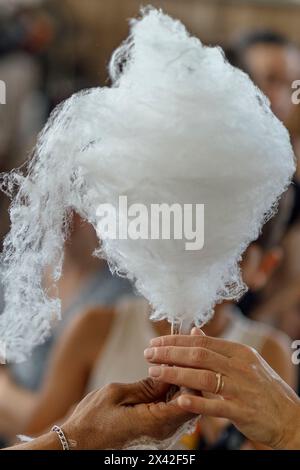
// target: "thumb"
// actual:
[[197, 332], [144, 391], [168, 417]]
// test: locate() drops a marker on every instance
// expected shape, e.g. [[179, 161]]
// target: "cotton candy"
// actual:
[[178, 125]]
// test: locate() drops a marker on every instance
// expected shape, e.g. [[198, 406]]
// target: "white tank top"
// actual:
[[122, 359], [245, 331]]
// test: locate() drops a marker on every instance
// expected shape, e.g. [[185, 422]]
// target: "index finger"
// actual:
[[218, 345]]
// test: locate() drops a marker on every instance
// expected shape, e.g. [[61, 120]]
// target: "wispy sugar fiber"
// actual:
[[179, 124]]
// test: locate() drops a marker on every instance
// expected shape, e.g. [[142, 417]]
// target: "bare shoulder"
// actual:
[[277, 352], [277, 342], [95, 322], [87, 333]]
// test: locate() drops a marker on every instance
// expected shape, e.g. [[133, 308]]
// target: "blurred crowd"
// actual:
[[105, 327]]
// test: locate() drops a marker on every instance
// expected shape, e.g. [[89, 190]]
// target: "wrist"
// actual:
[[82, 438], [290, 439], [46, 442], [73, 437]]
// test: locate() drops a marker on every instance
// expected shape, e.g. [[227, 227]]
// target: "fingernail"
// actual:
[[155, 371], [184, 401], [155, 342], [149, 353], [197, 332]]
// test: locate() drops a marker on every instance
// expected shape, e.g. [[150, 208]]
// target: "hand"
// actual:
[[258, 402], [118, 414]]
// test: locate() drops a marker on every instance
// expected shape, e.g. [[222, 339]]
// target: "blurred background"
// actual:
[[50, 49]]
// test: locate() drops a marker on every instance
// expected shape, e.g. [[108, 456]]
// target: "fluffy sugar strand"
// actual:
[[179, 125]]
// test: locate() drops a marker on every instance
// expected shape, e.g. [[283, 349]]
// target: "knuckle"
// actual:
[[236, 364], [176, 374], [253, 357], [167, 373], [208, 381], [250, 352], [234, 368], [243, 367], [175, 340], [167, 353], [201, 355], [202, 341], [246, 367], [195, 355], [111, 389], [232, 362]]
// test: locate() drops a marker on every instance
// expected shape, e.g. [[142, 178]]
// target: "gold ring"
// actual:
[[220, 383]]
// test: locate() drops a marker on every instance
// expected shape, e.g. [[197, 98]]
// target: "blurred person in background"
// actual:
[[40, 67], [25, 111], [285, 307], [21, 118], [273, 63]]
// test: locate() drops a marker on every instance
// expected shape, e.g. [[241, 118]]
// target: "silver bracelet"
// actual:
[[61, 437]]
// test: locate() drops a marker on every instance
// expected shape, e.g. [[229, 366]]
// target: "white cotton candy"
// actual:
[[179, 125], [170, 443]]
